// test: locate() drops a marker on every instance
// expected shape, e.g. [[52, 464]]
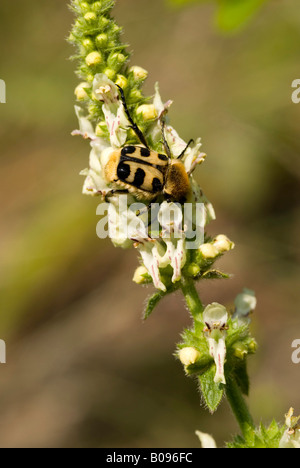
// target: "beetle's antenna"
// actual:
[[166, 145], [183, 152], [133, 125]]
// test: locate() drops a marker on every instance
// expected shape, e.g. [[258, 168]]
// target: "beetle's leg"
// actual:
[[134, 126], [166, 145], [183, 152], [115, 192]]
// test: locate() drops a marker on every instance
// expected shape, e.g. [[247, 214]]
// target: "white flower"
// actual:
[[152, 253], [215, 317], [160, 107], [95, 182], [207, 441], [86, 129], [245, 302], [123, 223], [106, 91], [291, 436]]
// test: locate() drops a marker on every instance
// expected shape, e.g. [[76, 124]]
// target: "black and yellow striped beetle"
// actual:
[[146, 173]]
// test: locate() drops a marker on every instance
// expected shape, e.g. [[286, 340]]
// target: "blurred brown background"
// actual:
[[82, 369]]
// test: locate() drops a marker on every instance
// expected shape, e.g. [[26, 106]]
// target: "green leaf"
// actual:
[[152, 303], [233, 14], [214, 274], [212, 392]]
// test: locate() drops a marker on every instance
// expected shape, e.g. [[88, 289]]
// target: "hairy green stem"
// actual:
[[239, 407], [192, 298]]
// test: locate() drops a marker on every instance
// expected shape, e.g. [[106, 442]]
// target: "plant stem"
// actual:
[[239, 407], [192, 299]]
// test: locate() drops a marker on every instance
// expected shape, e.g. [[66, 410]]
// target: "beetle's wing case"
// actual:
[[142, 168]]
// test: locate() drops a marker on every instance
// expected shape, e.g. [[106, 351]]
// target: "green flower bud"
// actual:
[[101, 40], [136, 95], [103, 22], [252, 346], [97, 6], [116, 60], [193, 269], [88, 44], [93, 59], [111, 74], [90, 78], [239, 349], [85, 7], [90, 17]]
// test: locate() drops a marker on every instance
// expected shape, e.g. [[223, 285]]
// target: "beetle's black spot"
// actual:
[[156, 185], [139, 177], [128, 150], [145, 152], [123, 171], [163, 157]]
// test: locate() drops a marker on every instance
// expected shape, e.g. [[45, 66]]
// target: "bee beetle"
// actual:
[[146, 173]]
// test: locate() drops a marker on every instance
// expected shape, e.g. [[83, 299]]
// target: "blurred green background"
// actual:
[[82, 369]]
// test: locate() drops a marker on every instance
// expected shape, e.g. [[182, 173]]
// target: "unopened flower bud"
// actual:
[[80, 91], [188, 355], [141, 275], [103, 22], [208, 251], [93, 59], [147, 111], [87, 44], [116, 60], [84, 6], [101, 40], [239, 350], [193, 269], [97, 6], [121, 81], [111, 74], [136, 95], [222, 243], [252, 346], [139, 73], [90, 16]]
